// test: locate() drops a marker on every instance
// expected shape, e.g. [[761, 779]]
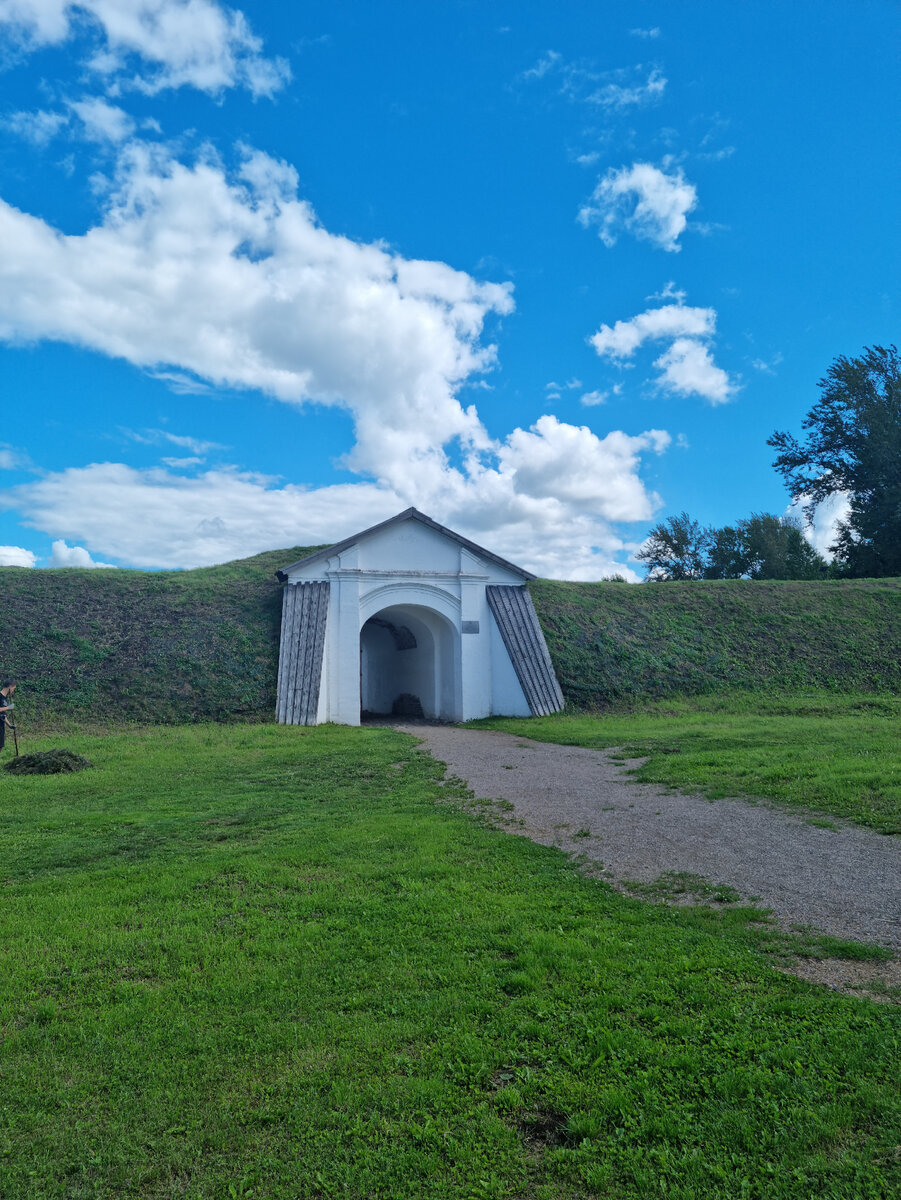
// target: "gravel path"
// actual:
[[846, 882]]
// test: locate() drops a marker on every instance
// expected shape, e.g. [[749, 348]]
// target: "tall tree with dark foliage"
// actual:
[[853, 447], [675, 549], [762, 546]]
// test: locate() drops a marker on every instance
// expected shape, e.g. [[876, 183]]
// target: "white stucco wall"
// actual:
[[409, 570], [507, 697]]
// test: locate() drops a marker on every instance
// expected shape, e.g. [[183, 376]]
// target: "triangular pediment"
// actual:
[[465, 550]]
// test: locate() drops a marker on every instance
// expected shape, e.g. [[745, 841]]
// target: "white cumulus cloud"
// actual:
[[686, 366], [647, 202], [557, 461], [38, 127], [822, 531], [547, 63], [230, 279], [15, 556], [616, 92], [158, 518], [234, 280], [545, 497], [63, 555], [103, 122], [670, 321], [196, 43]]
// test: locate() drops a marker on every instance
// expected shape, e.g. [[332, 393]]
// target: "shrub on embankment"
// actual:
[[203, 645], [612, 643]]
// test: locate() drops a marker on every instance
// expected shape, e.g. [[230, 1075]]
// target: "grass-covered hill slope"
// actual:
[[159, 646], [612, 643], [200, 645]]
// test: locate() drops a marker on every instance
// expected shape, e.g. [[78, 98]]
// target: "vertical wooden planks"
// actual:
[[517, 620], [301, 646], [289, 596]]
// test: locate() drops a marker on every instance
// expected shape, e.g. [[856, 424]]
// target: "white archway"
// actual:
[[410, 608], [409, 661]]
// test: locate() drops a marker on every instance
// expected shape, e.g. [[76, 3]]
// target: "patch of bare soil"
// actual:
[[880, 981]]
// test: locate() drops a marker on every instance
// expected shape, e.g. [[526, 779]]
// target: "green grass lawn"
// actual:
[[835, 754], [287, 963]]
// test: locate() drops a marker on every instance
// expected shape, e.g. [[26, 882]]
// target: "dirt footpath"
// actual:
[[844, 882]]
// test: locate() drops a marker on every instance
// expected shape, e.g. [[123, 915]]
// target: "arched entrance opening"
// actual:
[[407, 664]]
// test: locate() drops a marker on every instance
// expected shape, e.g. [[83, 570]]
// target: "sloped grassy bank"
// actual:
[[166, 646], [612, 643], [175, 646]]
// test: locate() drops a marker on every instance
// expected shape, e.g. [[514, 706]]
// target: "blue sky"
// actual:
[[549, 273]]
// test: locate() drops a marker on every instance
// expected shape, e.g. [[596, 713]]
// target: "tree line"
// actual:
[[852, 449], [763, 546]]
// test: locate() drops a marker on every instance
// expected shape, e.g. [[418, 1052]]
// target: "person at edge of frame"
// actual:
[[6, 694]]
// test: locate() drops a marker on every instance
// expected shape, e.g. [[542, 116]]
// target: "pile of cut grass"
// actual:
[[277, 962], [57, 761], [827, 753]]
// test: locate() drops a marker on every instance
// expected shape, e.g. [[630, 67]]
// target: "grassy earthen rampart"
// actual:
[[176, 646]]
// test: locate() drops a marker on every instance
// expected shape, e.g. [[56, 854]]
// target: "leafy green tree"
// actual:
[[853, 447], [675, 549], [727, 554], [776, 548], [762, 546]]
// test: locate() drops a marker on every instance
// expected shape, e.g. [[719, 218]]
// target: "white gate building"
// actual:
[[410, 618]]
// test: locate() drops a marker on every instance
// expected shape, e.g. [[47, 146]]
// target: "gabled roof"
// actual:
[[409, 514]]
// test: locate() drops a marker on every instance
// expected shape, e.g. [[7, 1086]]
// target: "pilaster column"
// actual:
[[475, 645]]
